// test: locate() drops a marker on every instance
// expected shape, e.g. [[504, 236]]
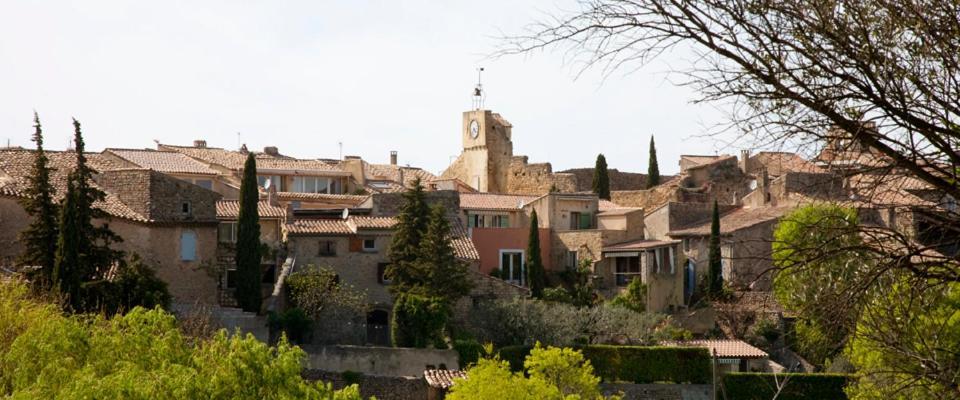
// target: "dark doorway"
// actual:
[[378, 328]]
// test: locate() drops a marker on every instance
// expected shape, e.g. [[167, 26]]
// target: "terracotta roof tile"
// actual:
[[641, 244], [607, 205], [442, 378], [462, 244], [492, 201], [723, 348], [235, 159], [163, 161], [365, 222], [392, 173], [779, 163], [735, 220], [230, 209], [318, 227], [333, 199]]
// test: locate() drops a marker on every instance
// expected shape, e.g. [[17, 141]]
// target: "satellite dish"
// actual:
[[267, 183], [345, 214]]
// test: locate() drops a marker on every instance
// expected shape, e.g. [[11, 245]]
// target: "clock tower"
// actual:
[[486, 154]]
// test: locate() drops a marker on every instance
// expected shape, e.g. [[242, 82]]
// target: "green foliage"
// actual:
[[405, 250], [352, 377], [768, 330], [634, 298], [135, 284], [321, 295], [536, 277], [67, 277], [294, 323], [914, 328], [763, 386], [715, 266], [601, 178], [580, 287], [525, 322], [637, 364], [141, 355], [39, 239], [552, 373], [817, 251], [468, 351], [249, 293], [557, 294], [653, 168], [418, 321], [441, 274]]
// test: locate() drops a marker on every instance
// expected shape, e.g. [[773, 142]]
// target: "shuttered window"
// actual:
[[188, 246]]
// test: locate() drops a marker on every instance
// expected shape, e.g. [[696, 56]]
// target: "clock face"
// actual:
[[474, 129]]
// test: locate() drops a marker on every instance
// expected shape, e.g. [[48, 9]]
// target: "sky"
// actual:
[[305, 76]]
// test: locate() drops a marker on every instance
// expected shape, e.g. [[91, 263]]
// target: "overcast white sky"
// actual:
[[305, 75]]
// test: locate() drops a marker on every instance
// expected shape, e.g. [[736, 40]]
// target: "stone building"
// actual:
[[272, 219], [170, 223]]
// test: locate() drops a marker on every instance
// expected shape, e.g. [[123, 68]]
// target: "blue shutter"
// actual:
[[188, 246]]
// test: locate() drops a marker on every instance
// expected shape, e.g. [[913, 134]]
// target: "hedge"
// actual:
[[762, 386], [468, 351], [637, 364]]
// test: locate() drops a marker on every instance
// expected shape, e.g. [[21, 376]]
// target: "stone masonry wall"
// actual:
[[382, 361], [536, 179], [13, 220], [381, 387]]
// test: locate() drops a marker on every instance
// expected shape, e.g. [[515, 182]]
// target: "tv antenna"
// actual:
[[478, 93]]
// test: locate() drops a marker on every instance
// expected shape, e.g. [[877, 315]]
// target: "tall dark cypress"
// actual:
[[601, 178], [404, 253], [536, 278], [40, 237], [67, 276], [715, 271], [249, 274], [446, 276], [653, 169]]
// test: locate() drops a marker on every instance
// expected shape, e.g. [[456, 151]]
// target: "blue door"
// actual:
[[690, 283]]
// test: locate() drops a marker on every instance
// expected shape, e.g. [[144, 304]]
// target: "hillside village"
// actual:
[[177, 207]]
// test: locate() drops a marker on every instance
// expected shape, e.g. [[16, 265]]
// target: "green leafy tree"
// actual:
[[715, 268], [653, 168], [249, 293], [419, 321], [809, 285], [39, 239], [634, 298], [601, 178], [404, 271], [552, 373], [446, 276], [536, 277]]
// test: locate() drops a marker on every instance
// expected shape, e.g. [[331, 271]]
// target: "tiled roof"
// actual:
[[333, 199], [779, 163], [703, 161], [618, 211], [442, 378], [18, 164], [319, 227], [492, 201], [391, 172], [230, 209], [607, 205], [641, 244], [462, 244], [364, 222], [723, 348], [888, 190], [163, 161], [235, 159], [735, 220]]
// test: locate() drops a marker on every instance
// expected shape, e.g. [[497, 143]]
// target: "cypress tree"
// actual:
[[40, 237], [446, 275], [601, 178], [404, 254], [715, 271], [249, 274], [536, 278], [653, 169], [66, 275]]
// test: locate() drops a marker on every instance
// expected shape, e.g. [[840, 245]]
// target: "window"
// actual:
[[511, 266], [574, 220], [570, 260], [501, 221], [628, 268], [580, 220], [204, 183], [311, 184], [275, 181], [185, 208], [686, 244], [488, 221], [227, 232], [232, 278], [188, 246], [475, 221], [382, 273], [328, 248], [369, 244]]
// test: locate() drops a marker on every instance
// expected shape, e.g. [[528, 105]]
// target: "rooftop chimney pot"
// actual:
[[393, 157], [200, 144]]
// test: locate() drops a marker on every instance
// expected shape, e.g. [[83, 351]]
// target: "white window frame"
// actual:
[[363, 245], [300, 184], [630, 275], [523, 261], [275, 180]]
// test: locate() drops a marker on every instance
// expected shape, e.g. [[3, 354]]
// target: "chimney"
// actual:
[[393, 157], [200, 144], [271, 150], [744, 160], [272, 196]]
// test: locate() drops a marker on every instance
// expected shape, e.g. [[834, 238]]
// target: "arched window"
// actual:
[[188, 246]]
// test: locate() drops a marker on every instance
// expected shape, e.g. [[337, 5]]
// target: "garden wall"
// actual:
[[382, 387], [382, 361]]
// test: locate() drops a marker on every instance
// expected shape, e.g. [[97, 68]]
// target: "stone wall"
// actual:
[[647, 199], [382, 361], [13, 220], [388, 204], [536, 179], [750, 252], [381, 387], [160, 197], [618, 180], [357, 268], [657, 391]]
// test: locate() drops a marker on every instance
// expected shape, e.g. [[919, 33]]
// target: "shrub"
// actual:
[[293, 322], [468, 351], [418, 321], [637, 364], [763, 386], [352, 377]]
